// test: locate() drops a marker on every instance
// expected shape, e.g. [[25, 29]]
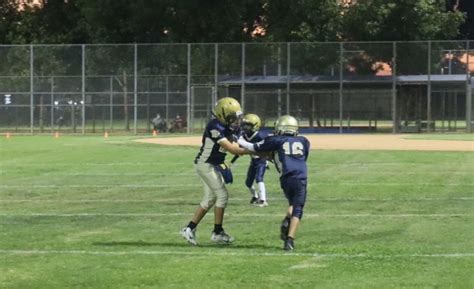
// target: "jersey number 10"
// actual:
[[295, 148]]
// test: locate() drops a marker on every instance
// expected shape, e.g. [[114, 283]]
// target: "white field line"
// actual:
[[366, 215], [382, 184], [165, 200], [101, 186], [227, 253]]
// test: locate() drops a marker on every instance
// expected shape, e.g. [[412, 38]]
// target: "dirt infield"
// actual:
[[351, 142]]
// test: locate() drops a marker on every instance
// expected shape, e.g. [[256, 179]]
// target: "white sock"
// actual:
[[253, 192], [262, 192]]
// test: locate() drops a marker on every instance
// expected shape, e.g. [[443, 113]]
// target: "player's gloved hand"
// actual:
[[226, 173]]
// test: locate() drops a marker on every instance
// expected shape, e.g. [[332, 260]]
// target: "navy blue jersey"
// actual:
[[211, 152], [256, 137], [291, 153]]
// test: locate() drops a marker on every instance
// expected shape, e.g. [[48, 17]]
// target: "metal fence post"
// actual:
[[135, 88], [428, 90], [188, 106], [52, 104], [83, 89], [394, 89], [31, 89], [216, 73], [167, 96], [468, 93], [242, 86], [288, 75], [111, 109], [341, 75]]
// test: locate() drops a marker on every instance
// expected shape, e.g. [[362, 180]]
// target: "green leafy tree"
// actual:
[[301, 20], [51, 22], [8, 16], [398, 20]]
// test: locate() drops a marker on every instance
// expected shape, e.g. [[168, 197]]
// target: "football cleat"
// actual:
[[289, 244], [221, 238], [253, 200], [284, 228], [189, 235], [261, 203]]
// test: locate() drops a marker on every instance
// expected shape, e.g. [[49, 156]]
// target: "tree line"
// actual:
[[173, 21]]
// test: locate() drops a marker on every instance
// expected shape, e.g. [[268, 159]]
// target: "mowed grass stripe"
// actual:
[[146, 174], [165, 200], [200, 185], [227, 253], [245, 161], [260, 215]]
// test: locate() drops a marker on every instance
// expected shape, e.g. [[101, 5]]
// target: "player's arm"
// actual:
[[230, 147], [269, 144], [254, 148], [246, 145], [306, 153]]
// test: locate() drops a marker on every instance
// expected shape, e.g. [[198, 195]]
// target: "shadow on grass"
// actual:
[[184, 244]]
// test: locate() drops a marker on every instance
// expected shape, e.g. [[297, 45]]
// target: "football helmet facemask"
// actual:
[[251, 123], [228, 112], [286, 125]]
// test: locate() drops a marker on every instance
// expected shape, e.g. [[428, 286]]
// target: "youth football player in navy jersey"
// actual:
[[216, 141], [290, 155], [251, 124]]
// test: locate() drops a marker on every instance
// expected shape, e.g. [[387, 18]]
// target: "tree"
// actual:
[[213, 20], [51, 22], [8, 16], [399, 20], [301, 20]]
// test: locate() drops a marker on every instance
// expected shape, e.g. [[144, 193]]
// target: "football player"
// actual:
[[217, 139], [251, 124], [291, 152]]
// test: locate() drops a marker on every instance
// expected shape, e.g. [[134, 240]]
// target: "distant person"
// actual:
[[60, 121], [214, 173], [290, 155], [156, 121], [159, 124], [178, 123]]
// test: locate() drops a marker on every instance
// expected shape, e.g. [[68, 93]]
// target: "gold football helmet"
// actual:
[[251, 123], [228, 112], [286, 124]]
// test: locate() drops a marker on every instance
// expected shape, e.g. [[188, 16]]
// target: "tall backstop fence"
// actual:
[[330, 87]]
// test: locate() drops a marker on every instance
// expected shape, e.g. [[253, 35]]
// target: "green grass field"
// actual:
[[89, 212]]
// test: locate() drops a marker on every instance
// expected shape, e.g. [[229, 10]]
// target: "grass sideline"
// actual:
[[89, 212]]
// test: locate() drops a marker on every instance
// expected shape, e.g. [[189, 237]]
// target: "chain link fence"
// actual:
[[330, 87]]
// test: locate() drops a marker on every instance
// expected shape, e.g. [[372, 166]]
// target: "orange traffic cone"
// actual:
[[106, 134], [56, 135], [155, 132], [8, 135]]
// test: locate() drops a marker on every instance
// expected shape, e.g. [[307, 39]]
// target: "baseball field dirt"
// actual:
[[350, 142]]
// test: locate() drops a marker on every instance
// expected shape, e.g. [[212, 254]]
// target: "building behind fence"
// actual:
[[329, 87]]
